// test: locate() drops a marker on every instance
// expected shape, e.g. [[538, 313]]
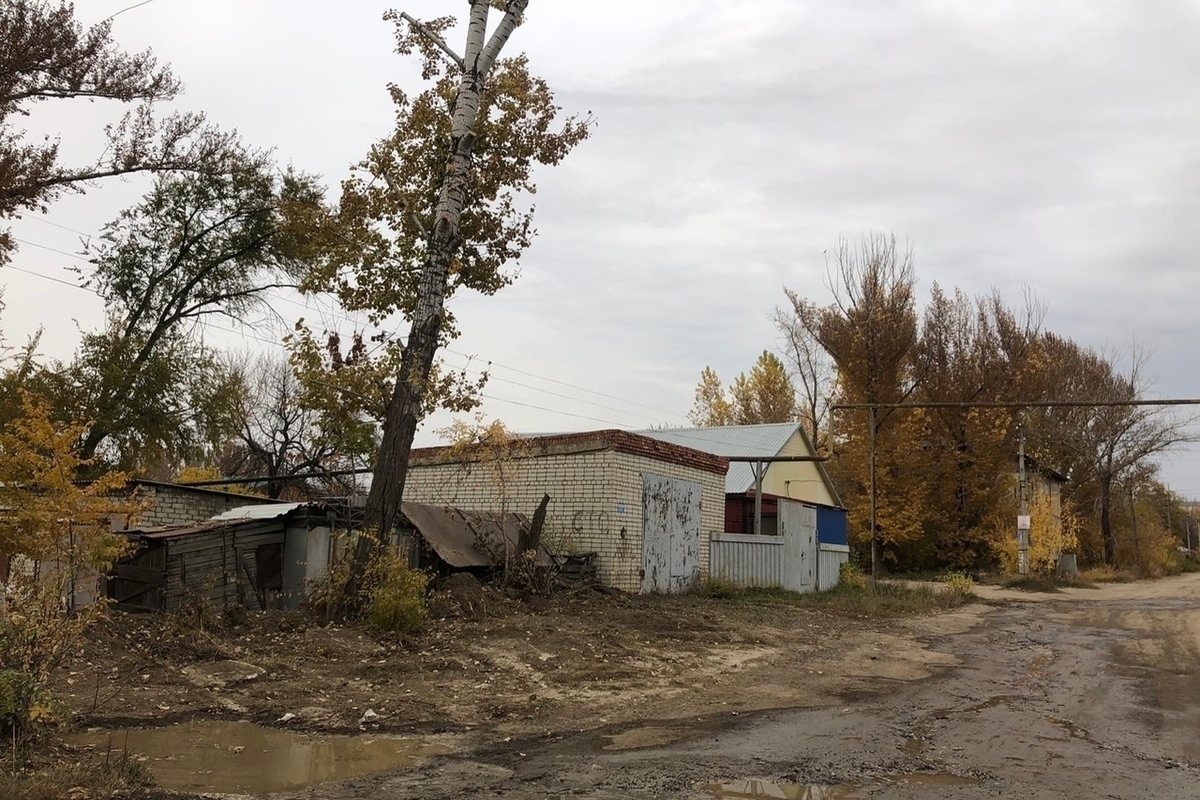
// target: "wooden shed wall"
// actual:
[[219, 567]]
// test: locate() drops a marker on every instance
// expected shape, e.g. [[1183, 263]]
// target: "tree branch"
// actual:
[[513, 13], [387, 177], [433, 37]]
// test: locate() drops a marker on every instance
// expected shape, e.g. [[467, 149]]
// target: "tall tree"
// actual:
[[765, 395], [871, 333], [47, 56], [197, 246], [711, 407], [970, 351], [434, 208], [809, 365], [1105, 446]]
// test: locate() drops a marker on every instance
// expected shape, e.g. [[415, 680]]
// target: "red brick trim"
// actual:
[[588, 442]]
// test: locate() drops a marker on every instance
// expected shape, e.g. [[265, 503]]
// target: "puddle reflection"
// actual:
[[241, 757]]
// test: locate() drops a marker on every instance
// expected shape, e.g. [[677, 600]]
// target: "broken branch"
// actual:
[[433, 37]]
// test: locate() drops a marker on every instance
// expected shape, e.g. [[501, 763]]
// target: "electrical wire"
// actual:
[[128, 8], [492, 363], [209, 324], [45, 221], [75, 256]]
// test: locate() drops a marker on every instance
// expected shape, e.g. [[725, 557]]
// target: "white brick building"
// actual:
[[601, 485]]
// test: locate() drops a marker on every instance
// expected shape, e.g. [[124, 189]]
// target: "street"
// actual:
[[1084, 693]]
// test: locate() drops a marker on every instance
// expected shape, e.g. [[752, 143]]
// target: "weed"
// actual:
[[1032, 583], [884, 599], [959, 583], [46, 776], [851, 574], [718, 588], [397, 604], [1105, 574]]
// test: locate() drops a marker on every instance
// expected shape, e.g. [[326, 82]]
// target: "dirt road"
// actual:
[[1087, 693]]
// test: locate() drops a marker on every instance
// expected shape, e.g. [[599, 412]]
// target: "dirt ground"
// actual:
[[580, 662], [1086, 692]]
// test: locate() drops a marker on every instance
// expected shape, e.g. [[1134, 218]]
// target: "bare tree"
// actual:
[[277, 436], [810, 366]]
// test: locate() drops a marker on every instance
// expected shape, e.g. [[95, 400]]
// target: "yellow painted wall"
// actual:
[[799, 480]]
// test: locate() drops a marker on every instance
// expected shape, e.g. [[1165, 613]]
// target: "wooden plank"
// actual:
[[146, 575]]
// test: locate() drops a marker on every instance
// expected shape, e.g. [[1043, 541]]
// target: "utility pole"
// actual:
[[1023, 512], [1133, 520], [874, 537]]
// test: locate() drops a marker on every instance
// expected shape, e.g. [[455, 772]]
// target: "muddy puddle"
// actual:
[[846, 791], [786, 791], [244, 758]]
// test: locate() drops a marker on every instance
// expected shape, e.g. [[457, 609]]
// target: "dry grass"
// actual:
[[884, 599], [49, 772]]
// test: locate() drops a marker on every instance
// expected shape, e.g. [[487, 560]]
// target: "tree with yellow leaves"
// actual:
[[763, 396], [56, 542]]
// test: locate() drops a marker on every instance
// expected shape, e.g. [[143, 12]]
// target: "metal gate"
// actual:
[[670, 533], [798, 528]]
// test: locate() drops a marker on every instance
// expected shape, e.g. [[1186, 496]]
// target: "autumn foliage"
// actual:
[[56, 541], [944, 483]]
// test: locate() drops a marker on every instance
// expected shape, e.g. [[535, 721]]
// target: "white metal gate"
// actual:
[[670, 533], [798, 529]]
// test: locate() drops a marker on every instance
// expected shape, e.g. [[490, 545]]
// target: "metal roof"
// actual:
[[271, 511], [455, 534], [764, 441]]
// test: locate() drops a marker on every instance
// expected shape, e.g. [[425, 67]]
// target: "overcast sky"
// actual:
[[1054, 145]]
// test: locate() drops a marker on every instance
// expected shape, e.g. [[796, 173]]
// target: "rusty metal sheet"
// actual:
[[454, 533]]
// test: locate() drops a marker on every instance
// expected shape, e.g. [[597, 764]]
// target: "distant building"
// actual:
[[784, 484]]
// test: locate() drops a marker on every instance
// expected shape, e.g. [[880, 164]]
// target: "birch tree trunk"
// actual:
[[406, 403]]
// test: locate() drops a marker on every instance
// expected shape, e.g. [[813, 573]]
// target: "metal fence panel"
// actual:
[[831, 557], [747, 560]]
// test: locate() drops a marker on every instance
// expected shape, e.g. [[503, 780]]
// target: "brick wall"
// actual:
[[171, 505], [595, 500]]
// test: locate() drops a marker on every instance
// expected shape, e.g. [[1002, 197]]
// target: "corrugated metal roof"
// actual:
[[271, 511], [454, 534], [763, 441]]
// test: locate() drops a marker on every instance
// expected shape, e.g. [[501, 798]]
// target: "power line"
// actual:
[[212, 325], [45, 221], [128, 8], [469, 358], [552, 411], [573, 386], [72, 284], [75, 256], [1022, 404], [492, 363]]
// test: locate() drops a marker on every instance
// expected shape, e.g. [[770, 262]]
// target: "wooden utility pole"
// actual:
[[875, 565], [1023, 521]]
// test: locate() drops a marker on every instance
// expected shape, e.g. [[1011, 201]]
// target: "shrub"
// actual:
[[397, 603], [850, 574], [959, 583]]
